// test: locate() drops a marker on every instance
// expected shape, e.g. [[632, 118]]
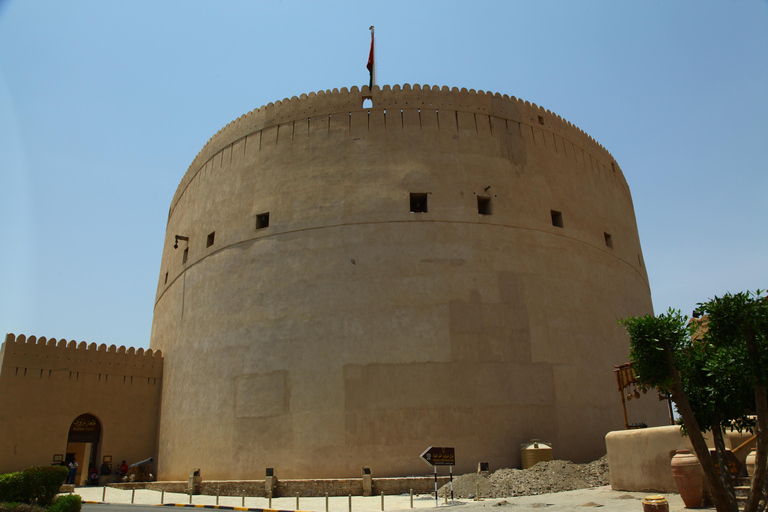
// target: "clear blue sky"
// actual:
[[104, 104]]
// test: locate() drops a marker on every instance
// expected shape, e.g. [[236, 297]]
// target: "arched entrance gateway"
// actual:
[[83, 444]]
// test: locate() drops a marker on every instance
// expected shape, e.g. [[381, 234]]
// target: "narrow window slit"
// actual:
[[418, 203], [484, 206], [262, 220]]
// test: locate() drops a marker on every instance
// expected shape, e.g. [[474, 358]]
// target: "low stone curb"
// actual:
[[222, 507], [225, 507]]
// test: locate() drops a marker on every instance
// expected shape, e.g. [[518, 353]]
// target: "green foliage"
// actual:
[[731, 319], [42, 483], [38, 485], [19, 507], [716, 369], [11, 488], [655, 342], [66, 503]]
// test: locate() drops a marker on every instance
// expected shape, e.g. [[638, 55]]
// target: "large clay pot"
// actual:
[[689, 478], [750, 462]]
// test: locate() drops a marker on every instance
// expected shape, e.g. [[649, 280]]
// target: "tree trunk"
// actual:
[[716, 488], [759, 489], [725, 476]]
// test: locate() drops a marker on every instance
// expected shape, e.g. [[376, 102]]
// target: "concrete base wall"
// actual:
[[303, 487], [640, 459]]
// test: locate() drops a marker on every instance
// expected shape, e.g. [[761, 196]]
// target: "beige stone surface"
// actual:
[[640, 459], [352, 331], [604, 498], [45, 384]]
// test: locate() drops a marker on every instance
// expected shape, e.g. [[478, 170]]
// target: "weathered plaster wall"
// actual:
[[45, 384], [640, 460], [351, 331]]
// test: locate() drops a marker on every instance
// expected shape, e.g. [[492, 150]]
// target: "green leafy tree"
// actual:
[[715, 371]]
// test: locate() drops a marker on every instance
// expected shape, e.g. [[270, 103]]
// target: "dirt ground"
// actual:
[[543, 478]]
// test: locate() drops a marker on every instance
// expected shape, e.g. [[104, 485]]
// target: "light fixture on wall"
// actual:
[[176, 241]]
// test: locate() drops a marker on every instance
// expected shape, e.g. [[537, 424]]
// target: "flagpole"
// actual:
[[372, 61]]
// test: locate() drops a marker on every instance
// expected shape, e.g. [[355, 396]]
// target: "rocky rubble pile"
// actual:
[[543, 478]]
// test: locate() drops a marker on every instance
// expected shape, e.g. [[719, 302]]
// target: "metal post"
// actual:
[[133, 494], [326, 502], [217, 497], [104, 493], [243, 503], [436, 503], [350, 503], [297, 501], [270, 500], [451, 468], [382, 500], [477, 492], [190, 498], [162, 496], [411, 498]]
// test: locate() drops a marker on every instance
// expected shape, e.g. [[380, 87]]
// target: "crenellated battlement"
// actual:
[[348, 101], [55, 355]]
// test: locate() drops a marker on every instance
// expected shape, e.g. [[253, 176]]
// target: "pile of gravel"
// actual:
[[543, 478]]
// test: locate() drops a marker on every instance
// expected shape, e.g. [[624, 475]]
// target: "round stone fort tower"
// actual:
[[346, 284]]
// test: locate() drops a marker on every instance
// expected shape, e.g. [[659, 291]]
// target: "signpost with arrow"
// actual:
[[440, 456]]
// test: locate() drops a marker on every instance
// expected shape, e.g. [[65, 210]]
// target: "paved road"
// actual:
[[600, 499]]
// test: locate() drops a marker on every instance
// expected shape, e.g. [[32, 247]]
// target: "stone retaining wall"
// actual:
[[305, 488]]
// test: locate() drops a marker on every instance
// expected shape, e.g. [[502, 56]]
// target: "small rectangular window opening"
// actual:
[[608, 240], [557, 218], [541, 119], [262, 220], [185, 255], [484, 205], [418, 203], [211, 237], [166, 278]]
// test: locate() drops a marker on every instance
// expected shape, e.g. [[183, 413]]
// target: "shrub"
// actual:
[[37, 486], [19, 507], [66, 503], [11, 488], [43, 483]]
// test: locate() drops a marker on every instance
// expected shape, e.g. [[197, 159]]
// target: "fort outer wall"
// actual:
[[314, 324], [46, 384]]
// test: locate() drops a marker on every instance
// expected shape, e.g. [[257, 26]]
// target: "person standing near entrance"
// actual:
[[72, 471]]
